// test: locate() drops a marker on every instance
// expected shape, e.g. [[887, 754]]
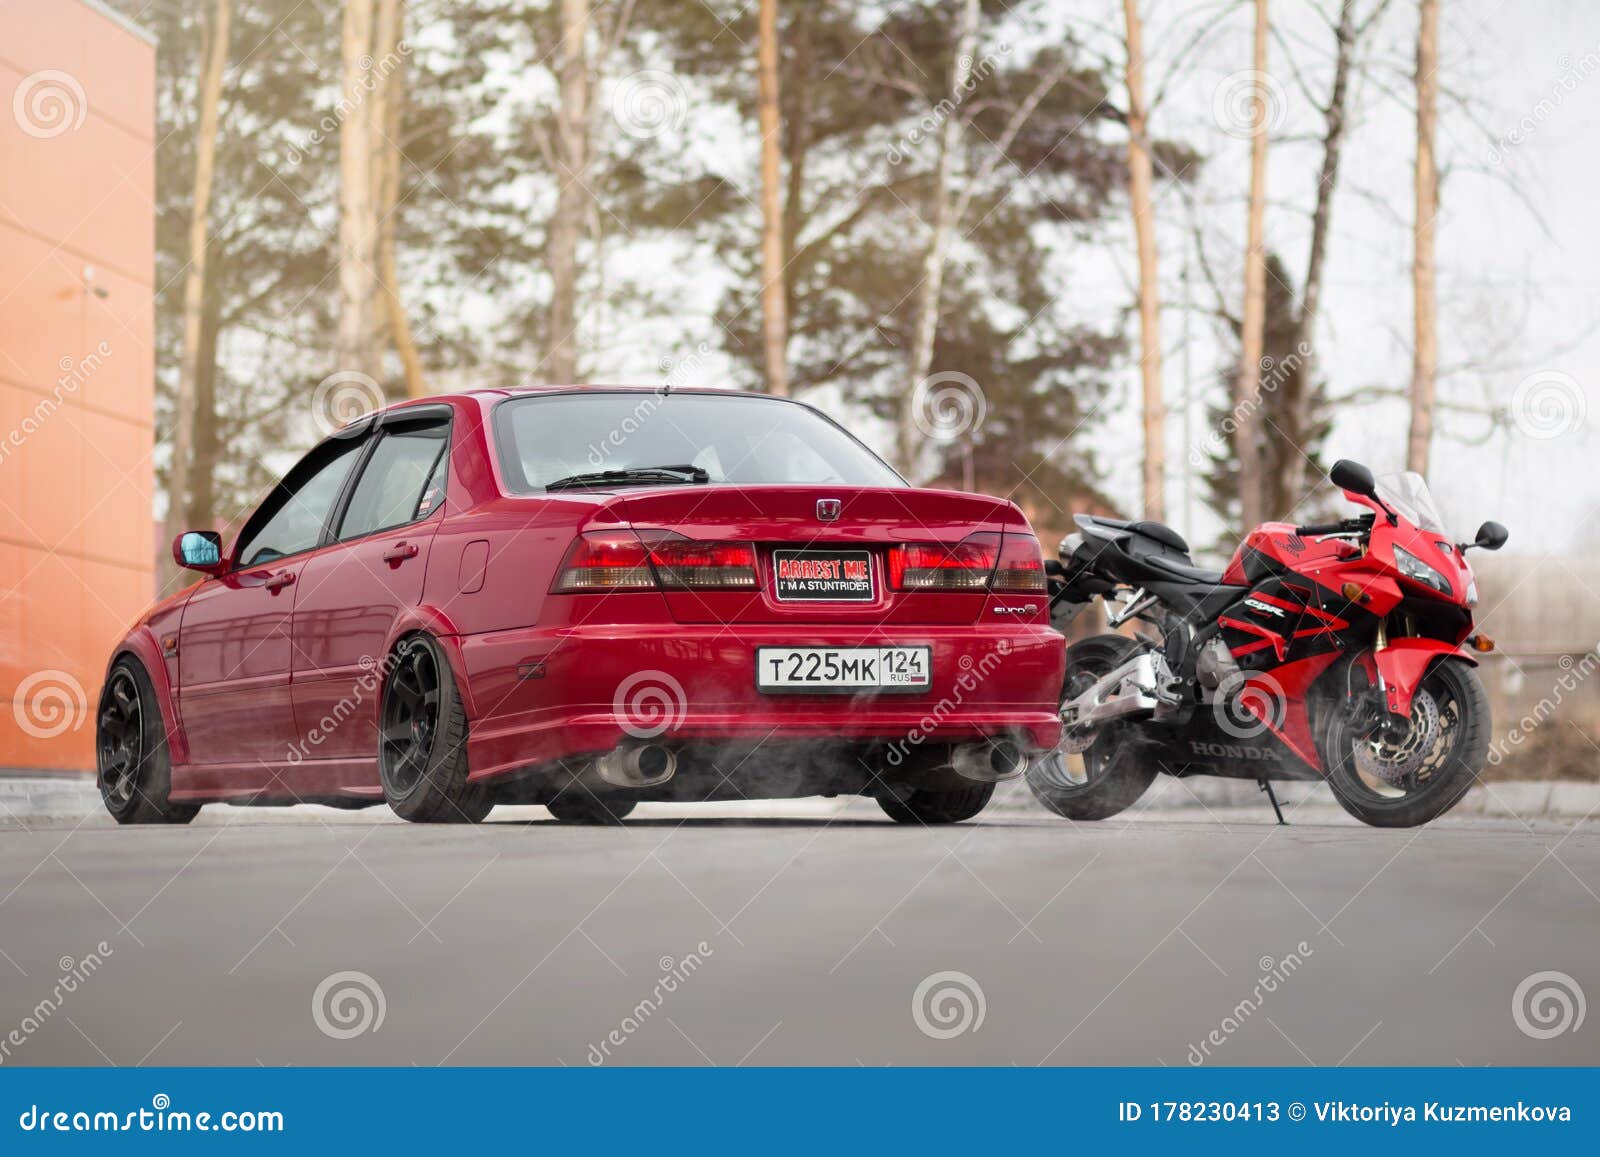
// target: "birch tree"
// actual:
[[357, 253], [774, 306], [390, 97], [1425, 349], [572, 174], [1247, 383], [194, 288], [1140, 182], [941, 223]]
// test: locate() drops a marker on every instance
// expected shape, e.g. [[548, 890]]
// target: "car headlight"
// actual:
[[1418, 571]]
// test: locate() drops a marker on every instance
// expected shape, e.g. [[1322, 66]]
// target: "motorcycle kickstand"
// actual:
[[1266, 786]]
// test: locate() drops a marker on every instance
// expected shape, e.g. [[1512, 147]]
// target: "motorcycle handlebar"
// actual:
[[1343, 526]]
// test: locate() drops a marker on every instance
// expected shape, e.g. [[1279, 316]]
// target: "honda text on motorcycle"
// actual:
[[1341, 651]]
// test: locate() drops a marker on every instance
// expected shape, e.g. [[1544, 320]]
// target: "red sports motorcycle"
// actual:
[[1340, 651]]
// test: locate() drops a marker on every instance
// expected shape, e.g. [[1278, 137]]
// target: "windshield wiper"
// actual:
[[633, 474]]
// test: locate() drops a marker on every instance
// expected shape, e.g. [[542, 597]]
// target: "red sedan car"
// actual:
[[585, 598]]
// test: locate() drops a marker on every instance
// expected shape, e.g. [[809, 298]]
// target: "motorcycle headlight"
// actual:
[[1418, 571]]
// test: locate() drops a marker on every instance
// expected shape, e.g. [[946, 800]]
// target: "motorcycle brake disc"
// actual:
[[1393, 758], [1077, 744]]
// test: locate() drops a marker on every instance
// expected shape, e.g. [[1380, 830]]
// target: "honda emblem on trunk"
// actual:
[[828, 509]]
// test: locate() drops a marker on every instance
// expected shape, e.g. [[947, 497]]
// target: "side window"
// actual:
[[292, 519], [433, 494], [390, 491]]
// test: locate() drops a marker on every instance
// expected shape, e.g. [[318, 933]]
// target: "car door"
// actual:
[[352, 591], [235, 641]]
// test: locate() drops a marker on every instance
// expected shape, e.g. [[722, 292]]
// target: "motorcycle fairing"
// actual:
[[1402, 664], [1281, 702]]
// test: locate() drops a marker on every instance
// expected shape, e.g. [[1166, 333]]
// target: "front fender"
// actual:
[[141, 643], [1402, 664]]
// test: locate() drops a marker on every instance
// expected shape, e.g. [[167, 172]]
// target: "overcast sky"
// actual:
[[1517, 248], [1517, 242]]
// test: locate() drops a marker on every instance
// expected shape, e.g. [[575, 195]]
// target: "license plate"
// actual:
[[843, 668], [831, 576]]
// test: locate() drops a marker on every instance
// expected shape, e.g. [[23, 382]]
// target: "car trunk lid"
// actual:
[[822, 553]]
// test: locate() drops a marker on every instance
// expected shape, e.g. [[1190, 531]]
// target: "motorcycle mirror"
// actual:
[[1354, 477], [1491, 536]]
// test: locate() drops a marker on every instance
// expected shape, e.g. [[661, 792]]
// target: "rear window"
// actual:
[[745, 440]]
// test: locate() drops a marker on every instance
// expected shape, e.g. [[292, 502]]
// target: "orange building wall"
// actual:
[[77, 321]]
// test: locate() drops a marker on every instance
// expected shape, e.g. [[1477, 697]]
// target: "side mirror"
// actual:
[[198, 550], [1354, 477], [1491, 536]]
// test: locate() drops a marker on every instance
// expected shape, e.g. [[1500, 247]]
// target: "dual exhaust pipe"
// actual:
[[649, 764]]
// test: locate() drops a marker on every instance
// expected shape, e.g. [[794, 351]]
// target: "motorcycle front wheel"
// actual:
[[1111, 775], [1448, 765]]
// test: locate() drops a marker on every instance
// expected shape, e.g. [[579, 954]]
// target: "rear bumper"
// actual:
[[537, 696]]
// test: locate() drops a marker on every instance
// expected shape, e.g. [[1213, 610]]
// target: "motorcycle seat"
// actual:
[[1185, 571], [1155, 531]]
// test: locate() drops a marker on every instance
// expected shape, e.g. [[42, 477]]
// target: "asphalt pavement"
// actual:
[[798, 934]]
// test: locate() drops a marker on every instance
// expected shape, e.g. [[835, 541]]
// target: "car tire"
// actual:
[[1115, 774], [937, 807], [422, 740], [133, 765], [577, 805]]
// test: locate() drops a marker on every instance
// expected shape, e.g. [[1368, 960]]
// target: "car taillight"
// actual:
[[605, 560], [983, 561], [684, 564], [620, 560], [937, 566], [1021, 566]]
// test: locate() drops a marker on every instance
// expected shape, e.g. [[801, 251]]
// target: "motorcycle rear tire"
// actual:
[[1117, 773]]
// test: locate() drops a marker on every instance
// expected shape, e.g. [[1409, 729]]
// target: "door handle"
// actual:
[[276, 582], [399, 552]]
